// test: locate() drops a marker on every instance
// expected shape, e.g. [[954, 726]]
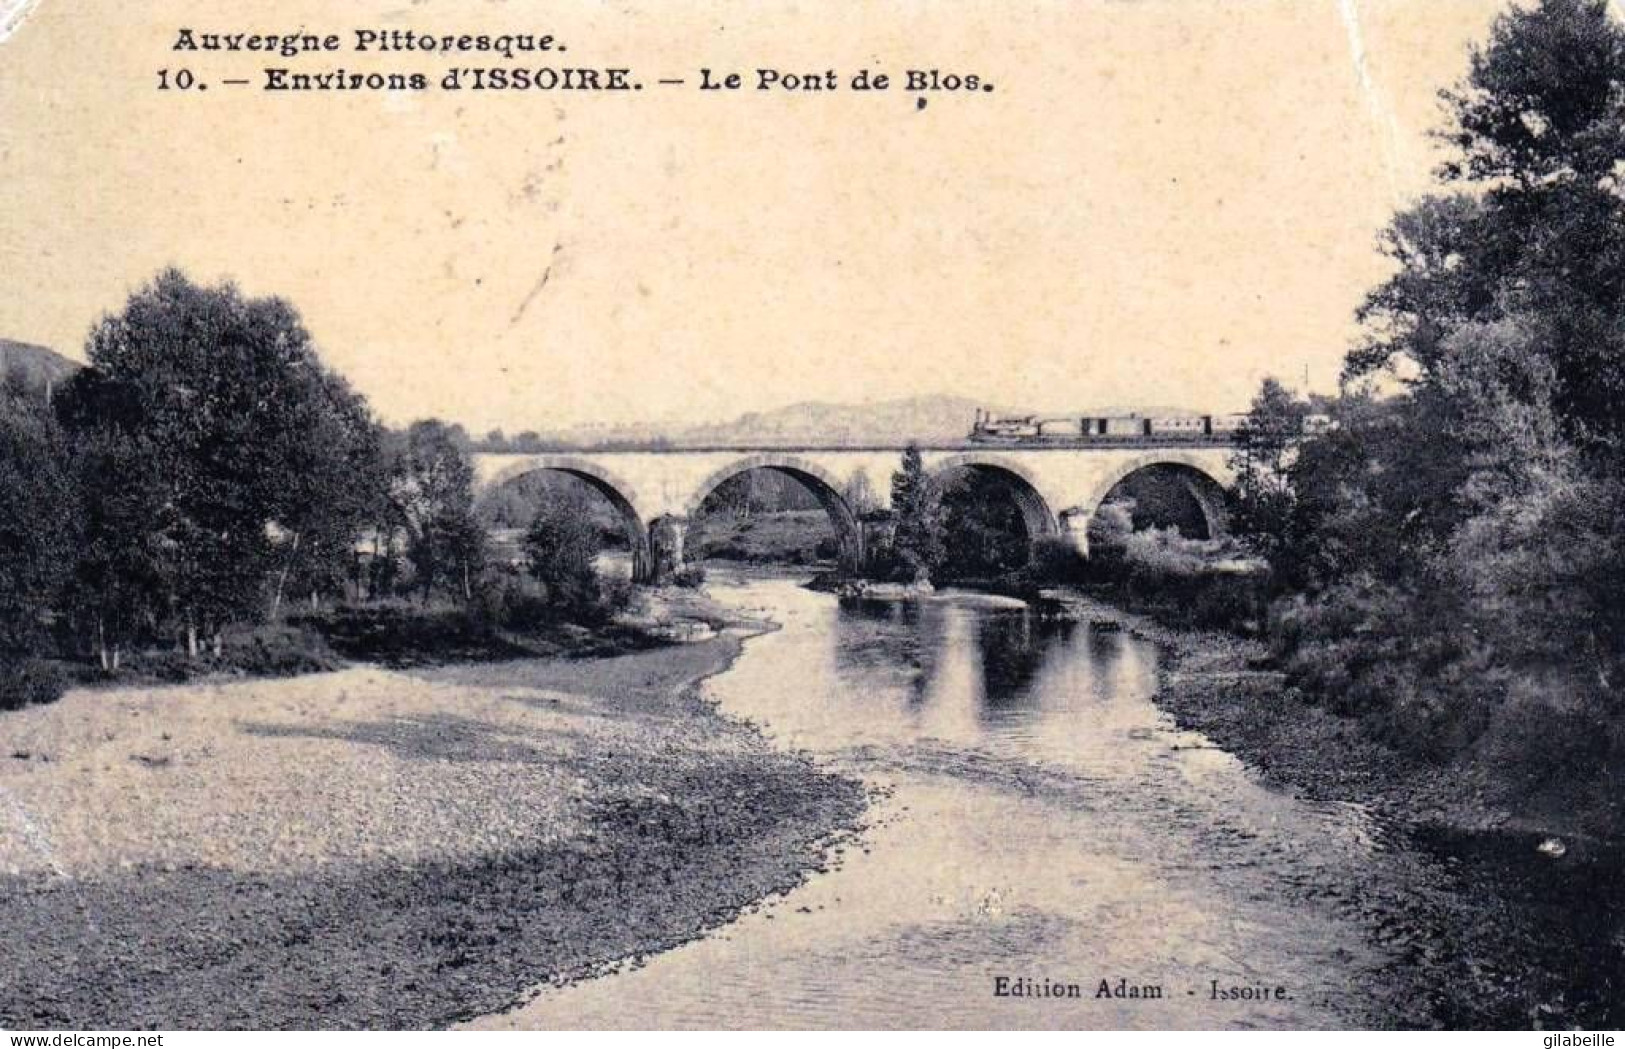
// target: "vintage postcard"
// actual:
[[797, 514]]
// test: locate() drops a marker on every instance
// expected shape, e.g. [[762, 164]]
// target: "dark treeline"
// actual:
[[1449, 563], [202, 476], [1446, 565]]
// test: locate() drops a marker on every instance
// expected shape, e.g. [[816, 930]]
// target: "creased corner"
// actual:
[[12, 15]]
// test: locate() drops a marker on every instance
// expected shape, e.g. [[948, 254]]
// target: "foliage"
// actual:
[[1537, 226], [208, 436], [691, 577], [431, 491], [38, 537], [984, 533], [38, 507], [1208, 583], [561, 547], [26, 681], [860, 495], [919, 532], [516, 503], [1056, 560], [1262, 458], [758, 491], [1448, 561]]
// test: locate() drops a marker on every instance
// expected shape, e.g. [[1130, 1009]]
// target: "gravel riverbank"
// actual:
[[1219, 684], [1505, 935], [376, 848]]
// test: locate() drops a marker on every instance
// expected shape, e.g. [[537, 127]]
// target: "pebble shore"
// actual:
[[377, 848]]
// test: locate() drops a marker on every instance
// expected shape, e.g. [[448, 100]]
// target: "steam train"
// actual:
[[1035, 429]]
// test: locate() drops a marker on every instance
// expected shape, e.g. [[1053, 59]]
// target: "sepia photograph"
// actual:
[[811, 515]]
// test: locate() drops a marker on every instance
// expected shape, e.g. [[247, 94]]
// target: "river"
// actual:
[[1039, 826]]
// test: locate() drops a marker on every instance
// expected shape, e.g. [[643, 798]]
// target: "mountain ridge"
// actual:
[[39, 366]]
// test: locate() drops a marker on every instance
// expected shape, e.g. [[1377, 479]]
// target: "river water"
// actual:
[[1039, 825]]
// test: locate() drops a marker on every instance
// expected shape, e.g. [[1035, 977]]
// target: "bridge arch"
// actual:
[[1037, 511], [1206, 489], [824, 486], [621, 495]]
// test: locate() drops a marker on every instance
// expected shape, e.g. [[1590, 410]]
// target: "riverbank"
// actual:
[[1220, 684], [403, 635], [1527, 938], [382, 847]]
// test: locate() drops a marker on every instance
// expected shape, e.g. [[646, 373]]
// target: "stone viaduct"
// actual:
[[1057, 488]]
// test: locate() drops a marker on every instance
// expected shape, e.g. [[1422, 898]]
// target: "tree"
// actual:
[[1263, 490], [561, 546], [120, 589], [1452, 556], [860, 494], [984, 532], [918, 537], [38, 535], [734, 497], [1536, 227], [340, 484], [212, 428], [432, 491]]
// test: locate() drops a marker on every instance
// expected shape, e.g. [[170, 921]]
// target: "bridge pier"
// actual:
[[666, 537], [1075, 529]]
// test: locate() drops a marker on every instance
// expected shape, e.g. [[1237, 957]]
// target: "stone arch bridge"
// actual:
[[1057, 488]]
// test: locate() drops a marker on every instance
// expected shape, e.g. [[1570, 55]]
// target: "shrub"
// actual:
[[277, 650], [1056, 560], [26, 681], [691, 577]]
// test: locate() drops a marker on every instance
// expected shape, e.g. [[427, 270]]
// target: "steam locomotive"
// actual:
[[1035, 429]]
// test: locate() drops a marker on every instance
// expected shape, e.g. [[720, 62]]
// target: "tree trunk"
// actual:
[[115, 658], [101, 644], [191, 640], [282, 577]]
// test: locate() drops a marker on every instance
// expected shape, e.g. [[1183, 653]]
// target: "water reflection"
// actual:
[[965, 667]]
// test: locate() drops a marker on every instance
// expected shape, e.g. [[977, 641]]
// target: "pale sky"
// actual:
[[1160, 202]]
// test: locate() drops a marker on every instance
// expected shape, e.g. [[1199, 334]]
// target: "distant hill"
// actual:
[[924, 419], [38, 365], [936, 418], [931, 419]]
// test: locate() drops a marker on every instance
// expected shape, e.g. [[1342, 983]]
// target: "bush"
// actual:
[[26, 681], [609, 598], [277, 650], [1184, 582], [691, 577], [1056, 560], [398, 633]]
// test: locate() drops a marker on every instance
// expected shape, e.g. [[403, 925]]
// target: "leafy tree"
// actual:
[[919, 534], [860, 494], [120, 589], [984, 533], [734, 497], [1261, 461], [1453, 555], [38, 536], [1537, 225], [561, 546], [432, 491], [338, 487], [213, 412]]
